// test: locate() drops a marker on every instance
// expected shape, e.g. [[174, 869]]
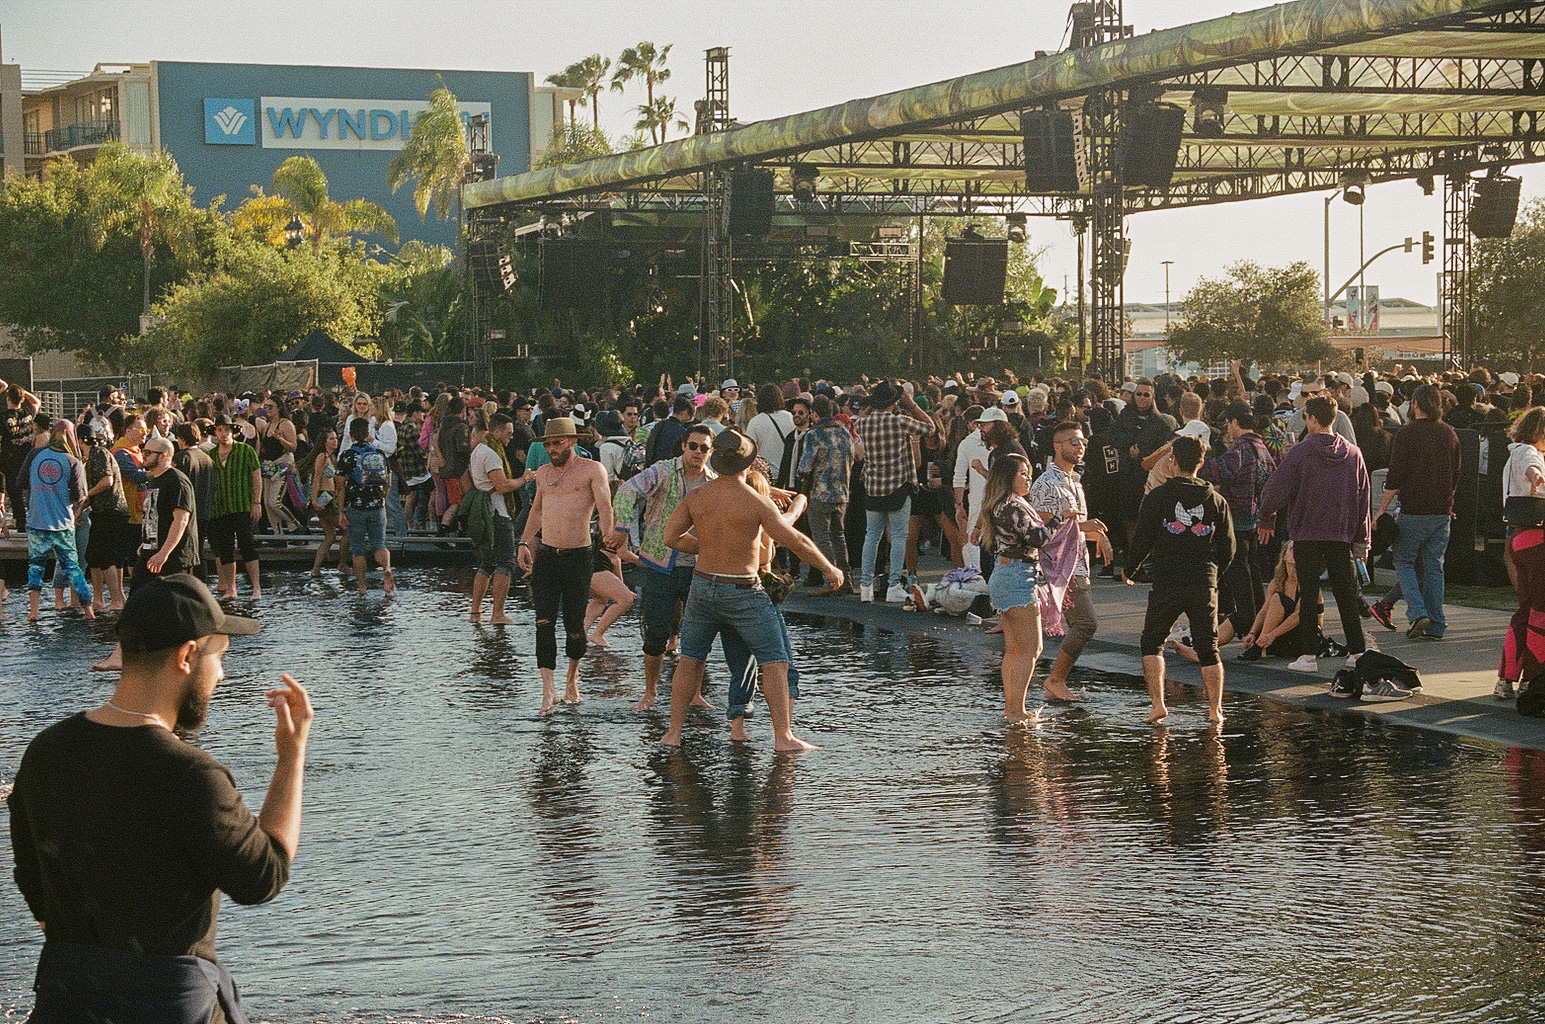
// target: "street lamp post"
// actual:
[[1167, 264], [1326, 278], [294, 232]]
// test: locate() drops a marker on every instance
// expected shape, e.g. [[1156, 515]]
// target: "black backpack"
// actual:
[[1376, 665], [1531, 697]]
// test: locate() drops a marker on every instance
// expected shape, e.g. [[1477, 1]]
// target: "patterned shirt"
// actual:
[[827, 459], [887, 439], [1017, 531], [233, 479], [1059, 495], [643, 505], [1240, 475]]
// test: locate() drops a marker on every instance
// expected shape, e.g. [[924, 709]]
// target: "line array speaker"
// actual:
[[1495, 206], [1150, 144], [1051, 164], [491, 264], [573, 273], [974, 271], [751, 202]]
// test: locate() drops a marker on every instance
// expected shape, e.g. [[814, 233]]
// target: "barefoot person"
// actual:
[[126, 836], [569, 490], [643, 505], [1186, 526], [1058, 494], [610, 597], [721, 523], [362, 481], [494, 476], [1011, 529]]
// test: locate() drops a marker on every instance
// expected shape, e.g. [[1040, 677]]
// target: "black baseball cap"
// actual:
[[168, 611]]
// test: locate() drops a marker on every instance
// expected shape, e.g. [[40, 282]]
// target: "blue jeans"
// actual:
[[874, 525], [395, 519], [746, 673], [60, 544], [1418, 552], [712, 607]]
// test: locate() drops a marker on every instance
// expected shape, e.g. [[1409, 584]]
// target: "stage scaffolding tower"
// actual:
[[716, 297], [1456, 267]]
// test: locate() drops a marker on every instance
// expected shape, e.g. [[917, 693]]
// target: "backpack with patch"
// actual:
[[370, 469], [633, 457]]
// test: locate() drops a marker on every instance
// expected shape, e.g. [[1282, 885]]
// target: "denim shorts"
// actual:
[[748, 611], [367, 530], [1013, 585]]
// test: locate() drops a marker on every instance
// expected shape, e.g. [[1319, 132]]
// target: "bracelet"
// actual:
[[522, 544]]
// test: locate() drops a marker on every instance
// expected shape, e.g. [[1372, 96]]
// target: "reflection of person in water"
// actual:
[[1189, 776]]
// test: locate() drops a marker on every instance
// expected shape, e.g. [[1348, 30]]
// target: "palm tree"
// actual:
[[642, 61], [590, 75], [143, 191], [566, 79], [300, 190], [435, 156], [656, 117]]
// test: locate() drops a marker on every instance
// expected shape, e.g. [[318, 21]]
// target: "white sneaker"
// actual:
[[1503, 690], [866, 593], [897, 594], [1305, 663]]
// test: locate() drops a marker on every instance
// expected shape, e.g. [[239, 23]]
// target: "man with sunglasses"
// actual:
[[1140, 431], [1058, 494], [642, 507], [169, 541]]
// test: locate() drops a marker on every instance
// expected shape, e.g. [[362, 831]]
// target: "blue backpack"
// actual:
[[369, 468]]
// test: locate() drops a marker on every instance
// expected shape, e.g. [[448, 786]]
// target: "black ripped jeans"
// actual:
[[560, 577]]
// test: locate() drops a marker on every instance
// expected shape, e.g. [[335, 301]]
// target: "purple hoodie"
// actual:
[[1323, 483]]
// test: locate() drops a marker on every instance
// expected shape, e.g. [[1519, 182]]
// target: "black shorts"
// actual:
[[230, 534], [126, 541], [1197, 603], [929, 501], [102, 545]]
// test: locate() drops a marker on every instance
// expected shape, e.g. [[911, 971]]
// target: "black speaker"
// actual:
[[1495, 207], [751, 202], [1150, 144], [491, 264], [573, 273], [974, 270], [1051, 162]]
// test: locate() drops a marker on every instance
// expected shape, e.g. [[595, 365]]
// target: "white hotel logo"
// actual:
[[230, 120]]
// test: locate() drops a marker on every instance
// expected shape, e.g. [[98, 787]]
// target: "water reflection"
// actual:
[[466, 858]]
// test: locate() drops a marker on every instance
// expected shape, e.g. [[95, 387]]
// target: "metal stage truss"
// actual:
[[1301, 97]]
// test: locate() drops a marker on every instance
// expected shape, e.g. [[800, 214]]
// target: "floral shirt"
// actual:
[[1017, 530], [643, 505], [827, 460]]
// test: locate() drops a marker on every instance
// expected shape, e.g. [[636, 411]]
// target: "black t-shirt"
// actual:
[[125, 838], [165, 494], [199, 468]]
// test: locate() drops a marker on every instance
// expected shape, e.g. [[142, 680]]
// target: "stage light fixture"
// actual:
[[1355, 194], [1211, 106], [1018, 230], [804, 176]]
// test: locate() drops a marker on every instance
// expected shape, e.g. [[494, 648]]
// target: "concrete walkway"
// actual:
[[1458, 672]]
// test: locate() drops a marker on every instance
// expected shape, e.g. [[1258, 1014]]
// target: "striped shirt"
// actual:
[[233, 479]]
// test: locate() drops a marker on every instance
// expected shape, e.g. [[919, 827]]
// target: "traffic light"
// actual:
[[1428, 255]]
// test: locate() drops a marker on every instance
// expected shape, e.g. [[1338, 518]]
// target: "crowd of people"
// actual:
[[1231, 495]]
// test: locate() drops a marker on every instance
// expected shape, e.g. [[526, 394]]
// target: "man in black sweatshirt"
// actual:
[[1184, 524]]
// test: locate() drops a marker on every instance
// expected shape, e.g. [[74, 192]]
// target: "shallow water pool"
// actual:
[[463, 857]]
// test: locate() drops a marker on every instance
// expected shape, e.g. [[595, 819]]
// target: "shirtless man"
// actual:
[[568, 491], [720, 523]]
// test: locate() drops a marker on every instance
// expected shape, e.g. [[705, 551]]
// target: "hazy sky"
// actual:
[[786, 56]]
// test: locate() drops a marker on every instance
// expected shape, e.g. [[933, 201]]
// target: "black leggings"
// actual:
[[560, 578], [1313, 557]]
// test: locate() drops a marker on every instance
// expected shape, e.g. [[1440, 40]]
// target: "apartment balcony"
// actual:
[[76, 136]]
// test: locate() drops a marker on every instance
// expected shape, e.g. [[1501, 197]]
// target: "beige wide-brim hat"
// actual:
[[558, 426]]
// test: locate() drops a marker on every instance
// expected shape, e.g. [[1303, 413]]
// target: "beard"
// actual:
[[192, 709], [561, 459]]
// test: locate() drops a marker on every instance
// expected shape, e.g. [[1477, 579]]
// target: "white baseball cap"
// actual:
[[1509, 378], [1196, 429], [993, 415], [1009, 398], [1384, 386]]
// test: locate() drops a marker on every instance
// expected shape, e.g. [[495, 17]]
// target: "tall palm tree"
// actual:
[[656, 118], [590, 74], [142, 191], [435, 156], [643, 61], [566, 79], [300, 190]]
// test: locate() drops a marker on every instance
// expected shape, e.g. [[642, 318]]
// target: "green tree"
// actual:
[[145, 192], [646, 62], [262, 302], [571, 143], [435, 156], [657, 117], [1270, 315], [300, 189], [590, 75], [421, 295], [1507, 301], [568, 78]]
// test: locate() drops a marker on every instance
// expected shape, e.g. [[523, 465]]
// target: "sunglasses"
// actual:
[[693, 446]]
